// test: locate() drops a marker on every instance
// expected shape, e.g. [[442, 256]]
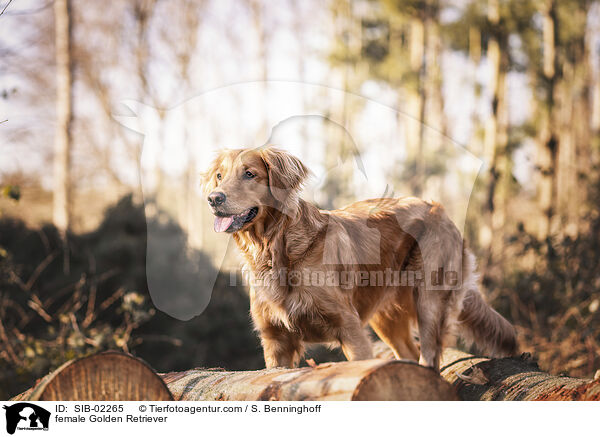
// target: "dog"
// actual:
[[296, 255]]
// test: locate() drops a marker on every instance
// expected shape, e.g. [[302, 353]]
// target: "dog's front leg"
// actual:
[[281, 348]]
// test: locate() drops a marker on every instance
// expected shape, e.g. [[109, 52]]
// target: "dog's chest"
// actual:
[[296, 311]]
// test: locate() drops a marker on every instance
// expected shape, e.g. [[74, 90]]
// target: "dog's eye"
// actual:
[[249, 174], [219, 176]]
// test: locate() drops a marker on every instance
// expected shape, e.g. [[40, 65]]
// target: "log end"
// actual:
[[403, 381], [106, 376]]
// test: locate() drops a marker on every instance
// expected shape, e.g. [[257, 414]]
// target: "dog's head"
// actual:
[[242, 184]]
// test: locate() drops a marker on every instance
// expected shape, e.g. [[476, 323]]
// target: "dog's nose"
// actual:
[[216, 198]]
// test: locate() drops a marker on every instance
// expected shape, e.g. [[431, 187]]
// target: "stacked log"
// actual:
[[379, 380], [118, 377], [506, 379], [512, 379], [106, 376]]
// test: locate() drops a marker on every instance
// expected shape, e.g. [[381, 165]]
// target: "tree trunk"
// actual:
[[356, 380], [118, 376], [577, 163], [434, 116], [338, 186], [500, 171], [258, 19], [596, 105], [549, 140], [506, 379], [62, 143], [512, 379], [495, 140], [416, 102], [106, 376]]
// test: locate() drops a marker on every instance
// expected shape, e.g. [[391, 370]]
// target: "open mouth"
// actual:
[[233, 223]]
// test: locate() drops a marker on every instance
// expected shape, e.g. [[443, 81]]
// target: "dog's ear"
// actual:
[[286, 174]]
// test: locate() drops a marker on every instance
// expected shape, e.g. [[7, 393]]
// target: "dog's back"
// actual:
[[417, 239]]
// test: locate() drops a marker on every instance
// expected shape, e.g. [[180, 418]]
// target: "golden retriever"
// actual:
[[321, 276]]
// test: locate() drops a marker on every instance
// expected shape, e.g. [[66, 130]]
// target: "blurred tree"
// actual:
[[346, 60], [423, 90], [415, 34], [261, 28], [302, 56], [180, 31], [575, 152], [64, 100], [496, 136], [401, 45], [561, 76], [549, 139]]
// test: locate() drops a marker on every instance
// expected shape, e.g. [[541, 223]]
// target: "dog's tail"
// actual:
[[480, 325]]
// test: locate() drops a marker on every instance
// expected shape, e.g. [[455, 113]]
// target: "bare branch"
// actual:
[[7, 5]]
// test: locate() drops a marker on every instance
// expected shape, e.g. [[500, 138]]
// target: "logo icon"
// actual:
[[26, 416]]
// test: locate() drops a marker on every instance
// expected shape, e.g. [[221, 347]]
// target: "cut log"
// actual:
[[118, 376], [379, 380], [508, 379], [106, 376]]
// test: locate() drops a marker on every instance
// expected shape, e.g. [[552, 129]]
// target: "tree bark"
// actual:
[[434, 112], [417, 99], [62, 143], [506, 379], [549, 140], [118, 376], [356, 380], [596, 105], [495, 140], [106, 376], [257, 10], [500, 171], [576, 160]]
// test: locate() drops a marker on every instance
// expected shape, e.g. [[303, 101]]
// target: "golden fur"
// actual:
[[290, 239]]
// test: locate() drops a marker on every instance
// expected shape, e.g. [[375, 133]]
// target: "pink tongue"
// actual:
[[222, 223]]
